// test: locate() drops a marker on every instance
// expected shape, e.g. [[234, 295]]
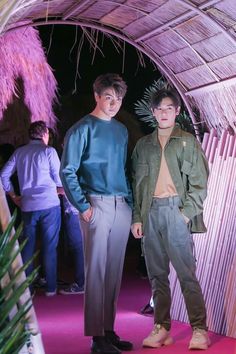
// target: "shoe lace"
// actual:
[[75, 285], [71, 288], [198, 333], [156, 329]]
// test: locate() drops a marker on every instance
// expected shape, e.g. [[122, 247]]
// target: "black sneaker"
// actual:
[[61, 282], [40, 283], [103, 346], [72, 289], [147, 310], [115, 340]]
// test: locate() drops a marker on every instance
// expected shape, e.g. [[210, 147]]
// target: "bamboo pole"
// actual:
[[223, 248], [216, 249]]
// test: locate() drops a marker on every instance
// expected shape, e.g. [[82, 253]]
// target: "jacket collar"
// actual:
[[176, 133]]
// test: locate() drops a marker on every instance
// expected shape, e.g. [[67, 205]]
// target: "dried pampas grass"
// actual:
[[22, 56]]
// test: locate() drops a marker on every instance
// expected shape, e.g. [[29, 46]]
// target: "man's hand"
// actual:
[[16, 199], [137, 230], [60, 191], [185, 219], [87, 214]]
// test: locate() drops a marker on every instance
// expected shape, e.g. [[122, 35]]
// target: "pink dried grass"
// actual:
[[22, 56], [218, 107]]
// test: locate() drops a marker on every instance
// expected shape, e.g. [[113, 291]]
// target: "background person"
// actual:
[[37, 166], [74, 239]]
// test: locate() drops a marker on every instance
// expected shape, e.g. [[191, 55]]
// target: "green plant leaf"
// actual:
[[7, 258], [13, 324], [5, 291], [8, 247], [12, 300], [6, 234], [16, 341], [144, 113]]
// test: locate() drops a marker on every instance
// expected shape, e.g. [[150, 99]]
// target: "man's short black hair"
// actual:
[[114, 81], [158, 96], [37, 130]]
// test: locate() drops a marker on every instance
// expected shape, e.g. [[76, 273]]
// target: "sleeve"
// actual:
[[196, 183], [7, 171], [136, 208], [74, 146], [54, 166], [129, 199]]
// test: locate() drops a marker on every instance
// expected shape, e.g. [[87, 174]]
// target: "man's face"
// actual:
[[108, 103], [165, 113]]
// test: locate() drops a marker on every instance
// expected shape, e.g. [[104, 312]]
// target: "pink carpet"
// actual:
[[61, 322]]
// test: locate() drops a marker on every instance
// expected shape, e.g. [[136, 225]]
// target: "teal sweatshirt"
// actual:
[[93, 161]]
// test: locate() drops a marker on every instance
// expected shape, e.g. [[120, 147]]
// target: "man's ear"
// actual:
[[96, 96], [178, 110]]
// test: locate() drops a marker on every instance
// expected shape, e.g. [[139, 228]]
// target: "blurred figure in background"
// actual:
[[73, 235], [37, 166], [6, 150]]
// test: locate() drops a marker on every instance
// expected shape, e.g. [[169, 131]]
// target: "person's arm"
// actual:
[[129, 199], [74, 146], [197, 183], [15, 198], [137, 230], [7, 171], [54, 166], [136, 226]]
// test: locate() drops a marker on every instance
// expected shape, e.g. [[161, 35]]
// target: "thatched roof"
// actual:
[[192, 42]]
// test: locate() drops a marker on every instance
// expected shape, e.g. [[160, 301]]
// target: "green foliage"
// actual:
[[144, 113], [13, 319]]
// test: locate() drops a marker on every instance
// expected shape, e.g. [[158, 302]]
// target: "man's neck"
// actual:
[[100, 115], [165, 131], [40, 140]]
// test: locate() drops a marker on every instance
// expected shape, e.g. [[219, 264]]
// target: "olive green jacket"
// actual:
[[187, 166]]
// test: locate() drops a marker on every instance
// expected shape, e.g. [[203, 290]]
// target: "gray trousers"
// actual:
[[105, 240], [167, 239]]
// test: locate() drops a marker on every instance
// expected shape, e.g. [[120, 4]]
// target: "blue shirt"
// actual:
[[93, 160], [37, 166]]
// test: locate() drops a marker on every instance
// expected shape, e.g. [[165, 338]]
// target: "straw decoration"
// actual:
[[215, 250], [22, 57]]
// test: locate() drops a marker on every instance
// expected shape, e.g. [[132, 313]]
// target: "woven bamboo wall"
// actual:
[[215, 250]]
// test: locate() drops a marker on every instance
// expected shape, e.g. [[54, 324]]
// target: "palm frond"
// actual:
[[13, 320], [143, 108]]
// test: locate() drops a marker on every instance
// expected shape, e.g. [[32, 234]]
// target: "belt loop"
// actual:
[[171, 202]]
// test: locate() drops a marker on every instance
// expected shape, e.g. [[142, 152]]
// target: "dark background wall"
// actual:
[[76, 65]]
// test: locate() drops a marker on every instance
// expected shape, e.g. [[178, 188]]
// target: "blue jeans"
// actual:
[[75, 243], [49, 222]]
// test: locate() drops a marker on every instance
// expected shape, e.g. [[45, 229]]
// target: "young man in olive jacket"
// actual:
[[170, 184]]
